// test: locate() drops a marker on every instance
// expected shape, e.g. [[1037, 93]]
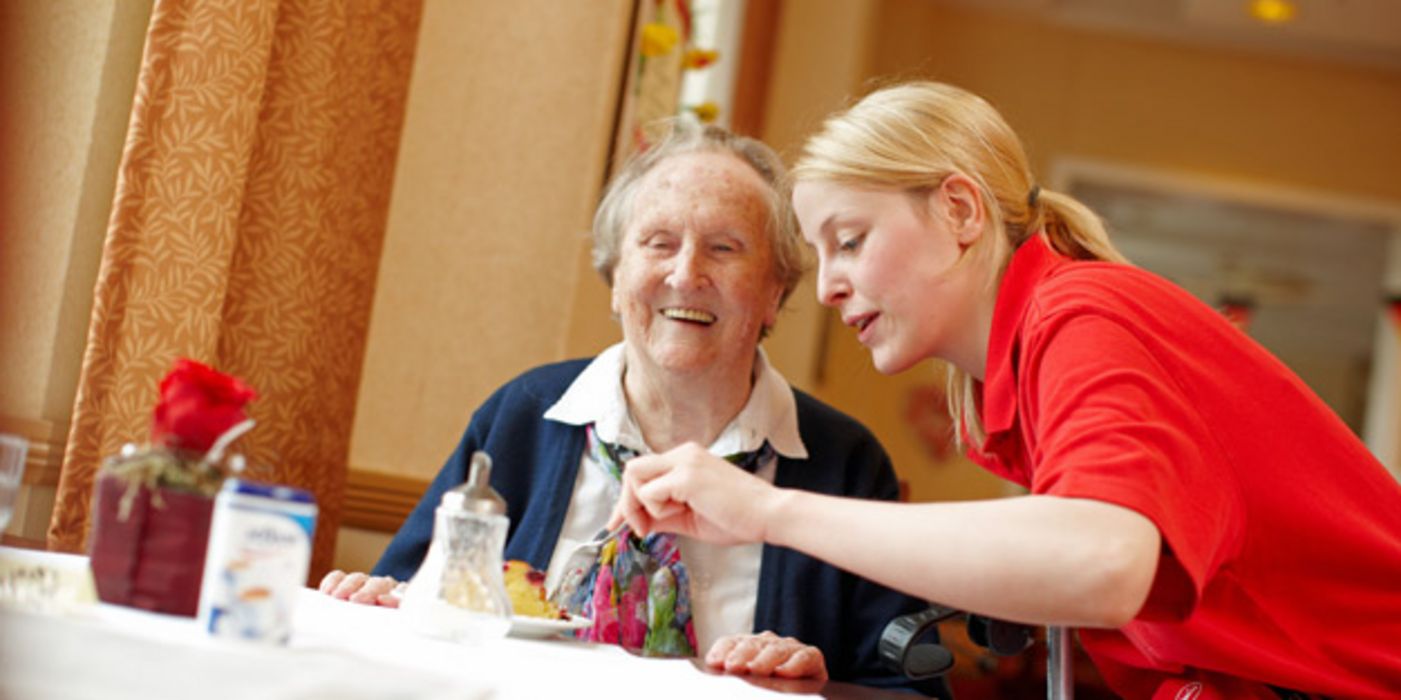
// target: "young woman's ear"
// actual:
[[959, 201]]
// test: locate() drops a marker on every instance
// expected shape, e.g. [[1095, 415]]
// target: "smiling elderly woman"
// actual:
[[695, 239]]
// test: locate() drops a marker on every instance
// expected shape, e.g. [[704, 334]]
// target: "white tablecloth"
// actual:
[[338, 650]]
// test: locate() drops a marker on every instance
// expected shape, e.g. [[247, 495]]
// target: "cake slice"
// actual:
[[526, 586]]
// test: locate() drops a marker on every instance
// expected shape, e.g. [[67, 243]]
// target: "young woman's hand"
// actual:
[[691, 492]]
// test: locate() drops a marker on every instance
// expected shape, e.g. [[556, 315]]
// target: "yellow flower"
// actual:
[[700, 58], [706, 111], [658, 39]]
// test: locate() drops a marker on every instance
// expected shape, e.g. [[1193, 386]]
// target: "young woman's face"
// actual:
[[890, 262]]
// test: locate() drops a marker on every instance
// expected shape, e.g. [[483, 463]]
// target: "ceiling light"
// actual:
[[1273, 11]]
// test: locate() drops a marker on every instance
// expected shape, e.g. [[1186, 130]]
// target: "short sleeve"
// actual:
[[1105, 420]]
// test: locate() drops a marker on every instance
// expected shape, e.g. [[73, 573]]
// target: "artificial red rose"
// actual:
[[197, 405]]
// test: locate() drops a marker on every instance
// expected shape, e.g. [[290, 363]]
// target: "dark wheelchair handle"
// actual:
[[1000, 637], [901, 651]]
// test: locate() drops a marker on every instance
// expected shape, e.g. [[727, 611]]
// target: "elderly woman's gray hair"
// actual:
[[611, 220]]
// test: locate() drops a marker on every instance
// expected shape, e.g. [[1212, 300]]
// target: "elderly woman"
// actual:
[[695, 239]]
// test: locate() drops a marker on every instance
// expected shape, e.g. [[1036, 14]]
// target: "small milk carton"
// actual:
[[258, 557]]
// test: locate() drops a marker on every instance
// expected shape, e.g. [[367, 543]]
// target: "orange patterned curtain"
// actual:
[[246, 232]]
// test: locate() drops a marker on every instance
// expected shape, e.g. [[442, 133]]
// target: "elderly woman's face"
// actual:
[[695, 281]]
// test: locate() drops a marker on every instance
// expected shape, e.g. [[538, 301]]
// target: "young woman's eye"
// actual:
[[850, 243]]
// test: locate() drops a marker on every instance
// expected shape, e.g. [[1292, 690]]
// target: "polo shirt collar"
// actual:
[[596, 396], [1031, 263]]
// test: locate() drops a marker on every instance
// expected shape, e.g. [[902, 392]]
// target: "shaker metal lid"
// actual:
[[476, 496]]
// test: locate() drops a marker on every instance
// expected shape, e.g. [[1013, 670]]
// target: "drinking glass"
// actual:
[[13, 449]]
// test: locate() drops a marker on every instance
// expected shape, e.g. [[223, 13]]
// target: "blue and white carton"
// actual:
[[259, 554]]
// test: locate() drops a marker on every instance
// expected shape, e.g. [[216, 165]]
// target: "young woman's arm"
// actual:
[[1033, 559]]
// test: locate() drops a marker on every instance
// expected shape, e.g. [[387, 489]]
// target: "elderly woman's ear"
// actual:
[[771, 318]]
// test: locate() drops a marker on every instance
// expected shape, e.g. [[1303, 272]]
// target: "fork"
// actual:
[[578, 563]]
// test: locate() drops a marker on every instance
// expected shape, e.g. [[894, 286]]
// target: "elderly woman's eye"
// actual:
[[659, 242]]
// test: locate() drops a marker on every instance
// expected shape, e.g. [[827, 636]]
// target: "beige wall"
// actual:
[[1257, 117], [1252, 118], [71, 73], [509, 119], [820, 58], [70, 70], [485, 263]]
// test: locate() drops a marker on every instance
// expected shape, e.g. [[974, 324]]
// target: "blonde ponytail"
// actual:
[[910, 137], [1073, 229]]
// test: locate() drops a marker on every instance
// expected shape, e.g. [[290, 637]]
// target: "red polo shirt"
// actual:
[[1281, 560]]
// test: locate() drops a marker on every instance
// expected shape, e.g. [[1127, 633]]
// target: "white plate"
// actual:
[[541, 628]]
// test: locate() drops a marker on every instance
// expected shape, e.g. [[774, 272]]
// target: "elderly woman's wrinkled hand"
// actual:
[[361, 588], [767, 654], [691, 492]]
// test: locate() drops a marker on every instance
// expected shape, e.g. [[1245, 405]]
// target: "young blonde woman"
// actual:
[[1211, 528]]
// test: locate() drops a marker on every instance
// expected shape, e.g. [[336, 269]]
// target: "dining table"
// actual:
[[58, 641]]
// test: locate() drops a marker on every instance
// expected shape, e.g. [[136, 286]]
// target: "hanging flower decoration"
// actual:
[[696, 59], [1239, 310], [658, 39], [706, 111], [1393, 308], [665, 51]]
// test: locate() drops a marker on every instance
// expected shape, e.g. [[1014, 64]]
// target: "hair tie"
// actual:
[[1034, 196]]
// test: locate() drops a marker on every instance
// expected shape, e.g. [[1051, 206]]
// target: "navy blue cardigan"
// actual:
[[535, 462]]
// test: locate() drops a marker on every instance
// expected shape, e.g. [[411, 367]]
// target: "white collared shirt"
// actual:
[[724, 578]]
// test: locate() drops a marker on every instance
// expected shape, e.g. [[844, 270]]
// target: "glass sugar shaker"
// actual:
[[458, 592]]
